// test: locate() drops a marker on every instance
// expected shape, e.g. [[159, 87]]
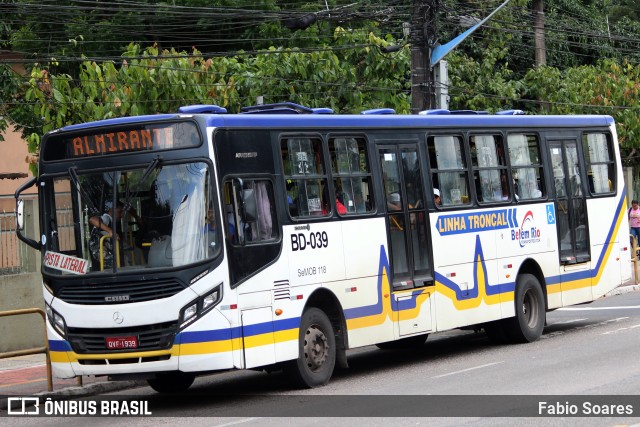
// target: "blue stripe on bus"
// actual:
[[192, 337], [589, 274], [373, 309], [59, 345], [474, 292], [611, 230]]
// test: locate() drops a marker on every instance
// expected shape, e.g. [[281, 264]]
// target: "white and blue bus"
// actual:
[[283, 236]]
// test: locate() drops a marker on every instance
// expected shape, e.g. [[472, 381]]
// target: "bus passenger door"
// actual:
[[411, 275], [571, 219]]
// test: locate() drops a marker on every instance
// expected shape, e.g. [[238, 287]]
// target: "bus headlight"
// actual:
[[189, 312], [56, 320], [200, 306]]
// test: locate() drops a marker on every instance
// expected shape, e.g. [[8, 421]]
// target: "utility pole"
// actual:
[[423, 34], [427, 54], [538, 31]]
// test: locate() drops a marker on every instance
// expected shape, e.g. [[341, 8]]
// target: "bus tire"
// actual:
[[529, 321], [171, 382], [316, 351], [414, 342]]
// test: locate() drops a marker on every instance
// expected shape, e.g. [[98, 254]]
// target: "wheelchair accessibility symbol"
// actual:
[[551, 216]]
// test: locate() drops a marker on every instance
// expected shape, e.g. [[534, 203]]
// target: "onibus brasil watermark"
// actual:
[[34, 406]]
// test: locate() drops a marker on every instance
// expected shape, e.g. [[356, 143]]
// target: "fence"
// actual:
[[15, 256]]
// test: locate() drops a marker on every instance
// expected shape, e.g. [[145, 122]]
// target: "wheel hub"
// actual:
[[316, 347]]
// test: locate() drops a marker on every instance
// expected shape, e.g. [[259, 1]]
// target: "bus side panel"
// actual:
[[468, 289], [366, 294], [610, 264]]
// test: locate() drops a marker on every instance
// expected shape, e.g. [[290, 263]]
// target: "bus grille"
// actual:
[[122, 293], [150, 337]]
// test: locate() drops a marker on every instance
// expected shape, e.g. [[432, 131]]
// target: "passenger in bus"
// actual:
[[436, 197], [326, 209], [102, 225], [393, 202], [534, 192]]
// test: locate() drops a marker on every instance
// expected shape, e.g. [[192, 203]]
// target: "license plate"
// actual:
[[121, 343]]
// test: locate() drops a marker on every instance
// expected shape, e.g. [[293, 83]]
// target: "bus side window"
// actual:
[[305, 176], [449, 169], [250, 211], [600, 162], [352, 175], [489, 168], [526, 166]]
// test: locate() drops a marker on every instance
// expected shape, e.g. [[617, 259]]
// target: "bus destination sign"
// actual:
[[116, 141]]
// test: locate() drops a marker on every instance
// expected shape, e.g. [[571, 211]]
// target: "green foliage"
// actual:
[[148, 81], [486, 84], [609, 87], [321, 66]]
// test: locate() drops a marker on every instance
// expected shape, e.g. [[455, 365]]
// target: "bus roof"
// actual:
[[369, 121]]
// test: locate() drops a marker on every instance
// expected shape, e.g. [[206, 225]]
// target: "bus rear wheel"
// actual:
[[316, 351], [529, 321], [171, 382]]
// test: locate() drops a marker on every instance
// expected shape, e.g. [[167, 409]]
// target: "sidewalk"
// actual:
[[27, 375]]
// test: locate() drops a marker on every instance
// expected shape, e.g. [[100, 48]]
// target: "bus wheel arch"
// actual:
[[530, 266], [322, 341], [326, 301]]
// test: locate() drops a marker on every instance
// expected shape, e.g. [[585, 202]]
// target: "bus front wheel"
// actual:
[[171, 382], [316, 351], [529, 321]]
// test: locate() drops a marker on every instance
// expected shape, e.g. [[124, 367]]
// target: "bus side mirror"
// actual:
[[20, 215]]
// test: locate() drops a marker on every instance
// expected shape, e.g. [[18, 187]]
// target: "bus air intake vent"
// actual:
[[122, 293], [281, 290]]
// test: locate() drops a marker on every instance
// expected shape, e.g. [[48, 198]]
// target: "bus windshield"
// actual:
[[161, 216]]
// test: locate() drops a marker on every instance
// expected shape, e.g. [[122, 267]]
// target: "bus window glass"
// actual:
[[250, 211], [352, 175], [162, 216], [449, 169], [489, 168], [64, 237], [307, 191], [412, 178], [526, 166], [600, 163]]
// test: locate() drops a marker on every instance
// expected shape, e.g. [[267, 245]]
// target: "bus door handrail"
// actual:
[[117, 255]]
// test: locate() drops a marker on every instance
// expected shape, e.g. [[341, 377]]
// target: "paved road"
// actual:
[[586, 350]]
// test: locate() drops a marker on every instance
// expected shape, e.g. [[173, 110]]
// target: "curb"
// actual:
[[623, 289], [92, 389]]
